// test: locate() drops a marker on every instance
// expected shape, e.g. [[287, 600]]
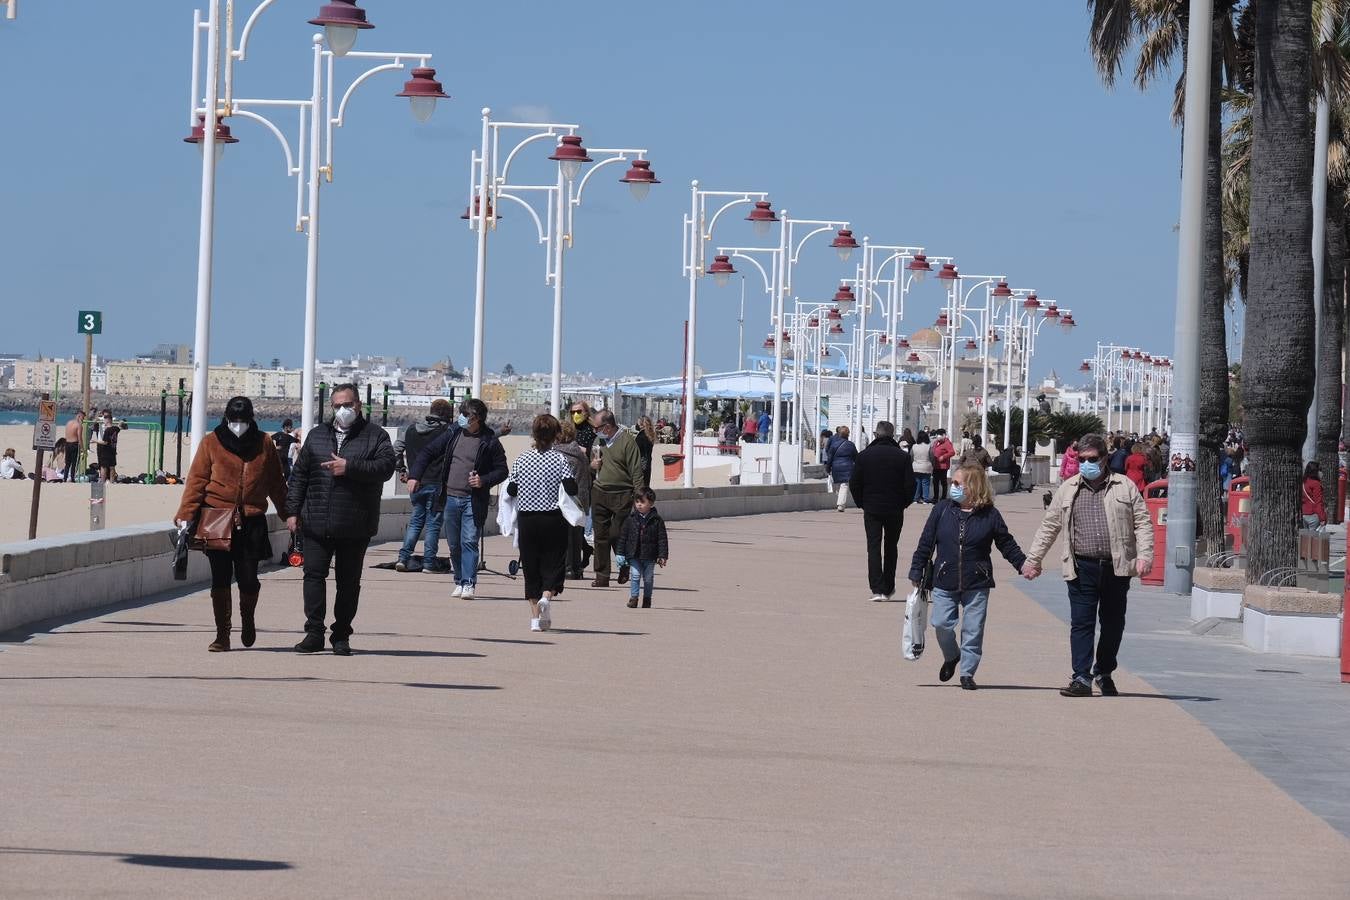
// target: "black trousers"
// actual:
[[883, 534], [233, 565], [543, 551], [347, 557], [1098, 594], [69, 470], [939, 484]]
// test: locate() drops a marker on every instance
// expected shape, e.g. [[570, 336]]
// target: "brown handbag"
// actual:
[[216, 527]]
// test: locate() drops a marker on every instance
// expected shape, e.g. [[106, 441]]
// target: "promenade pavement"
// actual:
[[755, 734]]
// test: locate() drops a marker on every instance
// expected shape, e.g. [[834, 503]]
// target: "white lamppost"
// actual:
[[788, 253], [341, 19], [1031, 324], [490, 181], [910, 266], [11, 9], [698, 229]]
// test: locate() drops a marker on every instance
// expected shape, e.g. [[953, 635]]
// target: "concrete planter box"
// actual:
[[1217, 593], [1291, 620]]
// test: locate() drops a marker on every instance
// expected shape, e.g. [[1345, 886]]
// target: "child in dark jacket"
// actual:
[[644, 545]]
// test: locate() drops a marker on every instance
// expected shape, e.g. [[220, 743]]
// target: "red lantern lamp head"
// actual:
[[492, 213], [1002, 291], [920, 266], [845, 295], [1032, 301], [834, 315], [845, 243], [762, 216], [198, 133], [836, 328], [640, 178]]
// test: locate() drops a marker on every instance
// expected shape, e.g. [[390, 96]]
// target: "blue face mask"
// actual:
[[957, 492], [1090, 470], [462, 421]]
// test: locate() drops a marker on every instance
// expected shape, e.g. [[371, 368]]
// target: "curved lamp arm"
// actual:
[[768, 288], [510, 157], [538, 223], [712, 223]]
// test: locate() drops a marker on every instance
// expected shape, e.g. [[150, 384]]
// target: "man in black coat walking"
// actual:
[[882, 485], [334, 496]]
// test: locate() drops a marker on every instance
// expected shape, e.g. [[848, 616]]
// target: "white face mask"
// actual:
[[238, 428], [344, 417]]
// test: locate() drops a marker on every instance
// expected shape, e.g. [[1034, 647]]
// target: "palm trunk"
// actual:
[[1329, 358], [1213, 343], [1278, 362]]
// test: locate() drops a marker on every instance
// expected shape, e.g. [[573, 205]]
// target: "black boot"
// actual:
[[220, 605], [312, 643], [248, 604]]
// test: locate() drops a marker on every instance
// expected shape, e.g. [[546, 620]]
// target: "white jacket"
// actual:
[[923, 462]]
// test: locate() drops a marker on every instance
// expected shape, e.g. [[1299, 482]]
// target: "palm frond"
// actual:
[[1110, 36]]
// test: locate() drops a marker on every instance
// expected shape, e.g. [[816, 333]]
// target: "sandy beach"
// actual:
[[65, 507]]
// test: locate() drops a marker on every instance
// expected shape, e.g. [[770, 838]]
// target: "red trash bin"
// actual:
[[674, 465], [1239, 509], [1155, 498]]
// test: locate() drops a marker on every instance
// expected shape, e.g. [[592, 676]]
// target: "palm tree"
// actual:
[[1330, 73], [1067, 427], [1036, 430], [1160, 27], [1277, 358]]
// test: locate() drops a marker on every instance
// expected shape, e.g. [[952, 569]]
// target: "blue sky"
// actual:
[[976, 129]]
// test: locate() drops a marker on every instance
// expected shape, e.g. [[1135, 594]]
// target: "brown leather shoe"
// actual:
[[600, 581], [632, 602]]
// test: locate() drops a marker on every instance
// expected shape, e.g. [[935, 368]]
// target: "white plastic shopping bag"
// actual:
[[570, 509], [916, 623], [506, 513]]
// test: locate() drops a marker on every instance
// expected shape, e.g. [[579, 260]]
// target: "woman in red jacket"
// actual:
[[1135, 466], [1314, 510]]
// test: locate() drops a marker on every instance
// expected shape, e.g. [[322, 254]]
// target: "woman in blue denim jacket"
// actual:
[[962, 531]]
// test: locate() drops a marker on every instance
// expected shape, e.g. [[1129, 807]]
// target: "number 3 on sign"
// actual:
[[90, 322]]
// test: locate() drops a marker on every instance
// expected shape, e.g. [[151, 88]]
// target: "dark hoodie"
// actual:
[[415, 439]]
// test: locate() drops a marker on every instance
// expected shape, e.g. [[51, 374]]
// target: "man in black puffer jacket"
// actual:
[[882, 485], [335, 497]]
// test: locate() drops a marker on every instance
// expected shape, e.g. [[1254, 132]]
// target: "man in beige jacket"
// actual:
[[1108, 540]]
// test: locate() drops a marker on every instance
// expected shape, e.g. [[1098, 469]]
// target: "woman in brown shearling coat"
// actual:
[[236, 467]]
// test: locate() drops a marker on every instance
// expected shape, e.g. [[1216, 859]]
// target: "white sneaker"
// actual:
[[545, 620], [458, 591], [879, 598], [466, 592], [534, 625]]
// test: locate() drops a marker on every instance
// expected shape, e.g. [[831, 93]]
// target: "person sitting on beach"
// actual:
[[10, 467]]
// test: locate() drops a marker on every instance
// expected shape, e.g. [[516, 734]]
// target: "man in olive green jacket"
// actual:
[[618, 476], [1108, 540]]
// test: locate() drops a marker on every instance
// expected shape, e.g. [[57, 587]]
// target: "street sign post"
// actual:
[[44, 439], [88, 323], [44, 429]]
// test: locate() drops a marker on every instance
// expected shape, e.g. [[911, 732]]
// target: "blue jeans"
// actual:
[[644, 570], [1098, 594], [923, 488], [461, 539], [946, 606], [423, 515]]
